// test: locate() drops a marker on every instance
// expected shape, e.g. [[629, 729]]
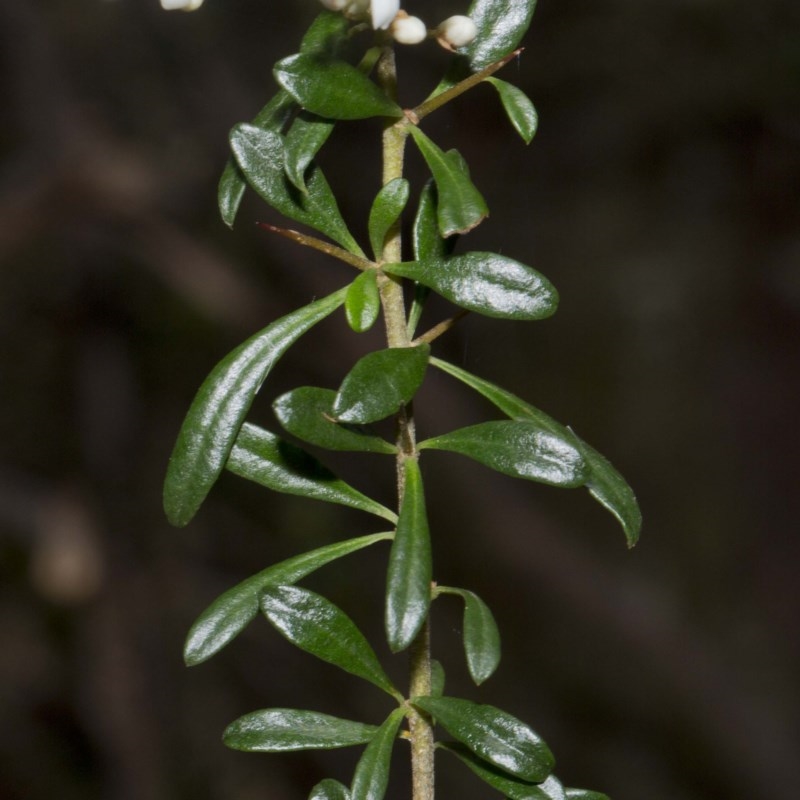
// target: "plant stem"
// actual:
[[391, 288]]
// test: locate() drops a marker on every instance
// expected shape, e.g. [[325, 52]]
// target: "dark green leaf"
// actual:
[[428, 243], [372, 771], [302, 142], [492, 734], [501, 25], [317, 626], [408, 584], [329, 789], [513, 788], [260, 456], [278, 730], [327, 34], [438, 678], [220, 406], [363, 303], [261, 157], [481, 636], [460, 205], [605, 484], [518, 107], [386, 210], [520, 448], [491, 284], [232, 611], [585, 794], [332, 88], [307, 413], [380, 383]]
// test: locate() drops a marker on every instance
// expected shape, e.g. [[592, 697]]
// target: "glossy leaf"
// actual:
[[428, 243], [372, 771], [221, 404], [380, 383], [363, 302], [280, 730], [603, 481], [302, 143], [520, 448], [408, 584], [494, 735], [585, 794], [513, 788], [333, 88], [481, 636], [489, 283], [317, 626], [386, 210], [329, 789], [501, 25], [438, 678], [261, 157], [327, 34], [232, 611], [266, 459], [460, 205], [307, 413], [518, 107]]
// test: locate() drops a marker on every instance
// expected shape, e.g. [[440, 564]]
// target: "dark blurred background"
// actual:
[[660, 196]]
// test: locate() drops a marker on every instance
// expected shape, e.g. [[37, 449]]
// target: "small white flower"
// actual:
[[182, 5], [408, 30], [383, 13], [457, 31]]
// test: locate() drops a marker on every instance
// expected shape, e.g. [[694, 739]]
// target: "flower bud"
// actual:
[[383, 13], [408, 30], [456, 31], [182, 5]]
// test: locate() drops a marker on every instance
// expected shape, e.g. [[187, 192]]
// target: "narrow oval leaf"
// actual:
[[221, 404], [372, 771], [233, 611], [363, 302], [460, 205], [278, 730], [408, 583], [492, 734], [481, 636], [513, 788], [333, 88], [329, 789], [261, 157], [585, 794], [326, 35], [302, 143], [307, 413], [438, 678], [386, 210], [317, 626], [604, 482], [501, 25], [491, 284], [428, 243], [520, 448], [260, 456], [518, 107], [380, 383]]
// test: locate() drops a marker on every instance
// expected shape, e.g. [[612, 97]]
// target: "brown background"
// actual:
[[660, 196]]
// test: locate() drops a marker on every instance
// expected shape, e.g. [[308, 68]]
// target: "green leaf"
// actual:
[[438, 678], [518, 107], [513, 788], [307, 413], [603, 481], [491, 284], [380, 383], [408, 584], [460, 205], [428, 244], [327, 35], [372, 771], [260, 456], [501, 25], [585, 794], [386, 210], [492, 734], [233, 611], [280, 730], [317, 626], [261, 157], [481, 636], [329, 789], [363, 302], [302, 142], [333, 88], [520, 448], [221, 404]]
